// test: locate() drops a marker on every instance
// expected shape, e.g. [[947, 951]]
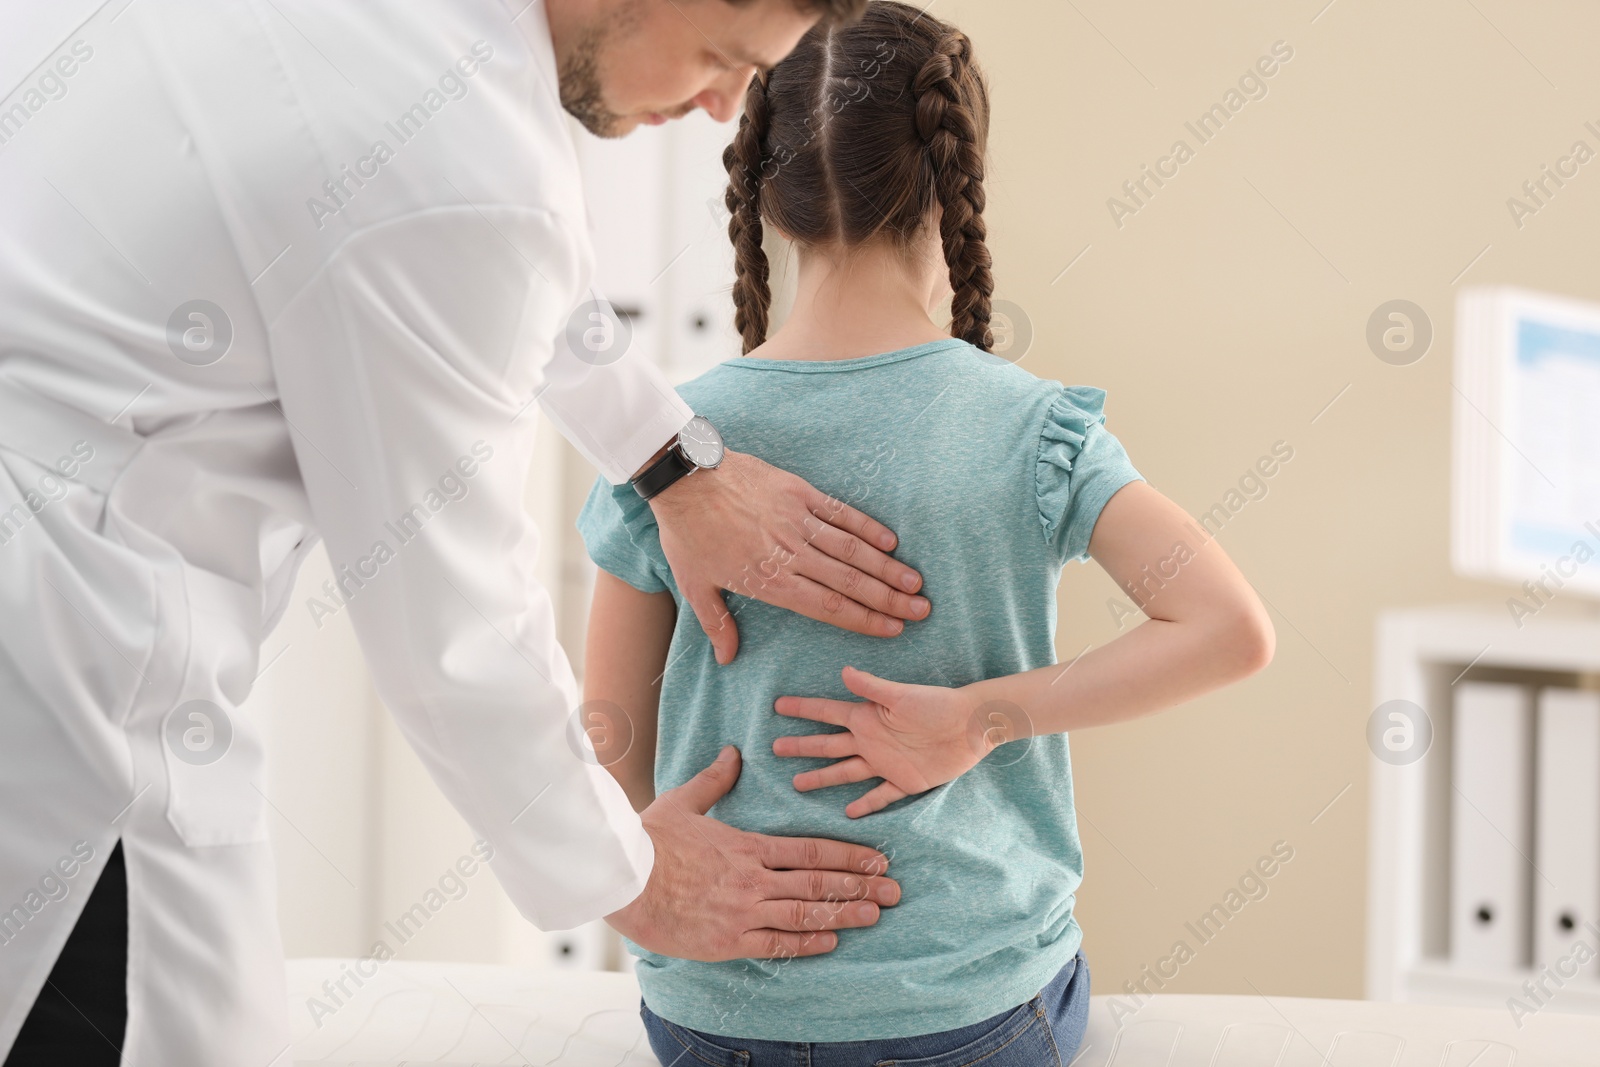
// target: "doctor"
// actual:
[[280, 270]]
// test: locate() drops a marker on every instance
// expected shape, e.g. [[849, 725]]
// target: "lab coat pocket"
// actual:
[[82, 606], [213, 750], [214, 760]]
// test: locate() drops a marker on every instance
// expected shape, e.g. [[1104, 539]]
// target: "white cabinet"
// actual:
[[661, 238], [1423, 658]]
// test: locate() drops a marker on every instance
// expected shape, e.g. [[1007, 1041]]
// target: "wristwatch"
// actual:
[[698, 446]]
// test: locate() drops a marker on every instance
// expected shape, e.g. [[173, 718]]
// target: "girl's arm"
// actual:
[[1205, 628], [624, 658]]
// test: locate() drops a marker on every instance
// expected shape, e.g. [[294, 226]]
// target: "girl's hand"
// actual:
[[914, 737]]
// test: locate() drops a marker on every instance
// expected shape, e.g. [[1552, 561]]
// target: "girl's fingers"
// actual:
[[854, 769], [870, 686], [875, 799], [825, 746], [817, 709]]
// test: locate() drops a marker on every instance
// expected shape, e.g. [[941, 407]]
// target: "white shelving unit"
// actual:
[[1421, 656]]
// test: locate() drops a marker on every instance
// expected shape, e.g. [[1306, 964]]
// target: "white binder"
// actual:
[[1567, 838], [1491, 826]]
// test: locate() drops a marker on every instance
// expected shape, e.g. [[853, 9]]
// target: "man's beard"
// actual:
[[581, 94]]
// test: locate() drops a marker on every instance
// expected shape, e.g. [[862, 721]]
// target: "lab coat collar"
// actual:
[[532, 19]]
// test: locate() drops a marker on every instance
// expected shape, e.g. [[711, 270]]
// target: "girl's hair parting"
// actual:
[[856, 136]]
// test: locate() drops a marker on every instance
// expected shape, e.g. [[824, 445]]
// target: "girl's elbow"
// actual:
[[1253, 640]]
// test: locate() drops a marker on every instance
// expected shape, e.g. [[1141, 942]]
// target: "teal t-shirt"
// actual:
[[992, 479]]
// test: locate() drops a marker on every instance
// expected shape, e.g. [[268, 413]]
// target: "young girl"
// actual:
[[866, 149]]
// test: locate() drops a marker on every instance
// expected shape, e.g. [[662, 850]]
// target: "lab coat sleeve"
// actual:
[[406, 370], [615, 405]]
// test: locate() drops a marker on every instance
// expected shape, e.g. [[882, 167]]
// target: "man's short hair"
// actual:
[[835, 12], [838, 11]]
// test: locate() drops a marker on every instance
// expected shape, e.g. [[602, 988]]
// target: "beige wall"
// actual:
[[1223, 317]]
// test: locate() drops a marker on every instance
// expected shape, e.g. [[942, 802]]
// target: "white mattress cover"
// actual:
[[453, 1013]]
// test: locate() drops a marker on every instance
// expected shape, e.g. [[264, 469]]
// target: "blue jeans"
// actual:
[[1044, 1032]]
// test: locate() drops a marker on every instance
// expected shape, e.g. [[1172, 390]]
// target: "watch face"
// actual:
[[701, 442]]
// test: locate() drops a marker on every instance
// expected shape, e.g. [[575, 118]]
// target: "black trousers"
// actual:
[[82, 1011]]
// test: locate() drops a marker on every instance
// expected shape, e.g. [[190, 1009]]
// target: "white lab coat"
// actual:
[[393, 314]]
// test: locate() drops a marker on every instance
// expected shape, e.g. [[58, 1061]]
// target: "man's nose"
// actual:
[[724, 98]]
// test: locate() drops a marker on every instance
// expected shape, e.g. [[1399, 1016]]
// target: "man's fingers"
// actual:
[[710, 785], [854, 769], [836, 512], [845, 578], [816, 601], [817, 709], [852, 551], [804, 915], [785, 945], [824, 746], [712, 612], [875, 799], [832, 885], [818, 854]]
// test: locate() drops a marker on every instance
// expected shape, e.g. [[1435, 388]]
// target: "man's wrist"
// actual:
[[697, 476], [698, 446]]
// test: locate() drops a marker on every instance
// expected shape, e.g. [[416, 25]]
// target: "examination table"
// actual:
[[452, 1013]]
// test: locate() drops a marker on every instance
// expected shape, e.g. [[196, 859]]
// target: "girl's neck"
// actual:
[[865, 301]]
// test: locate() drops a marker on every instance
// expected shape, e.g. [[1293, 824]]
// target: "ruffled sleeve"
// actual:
[[620, 533], [1080, 466]]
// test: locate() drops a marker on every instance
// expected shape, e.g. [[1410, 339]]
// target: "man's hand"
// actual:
[[914, 737], [717, 893], [762, 532]]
